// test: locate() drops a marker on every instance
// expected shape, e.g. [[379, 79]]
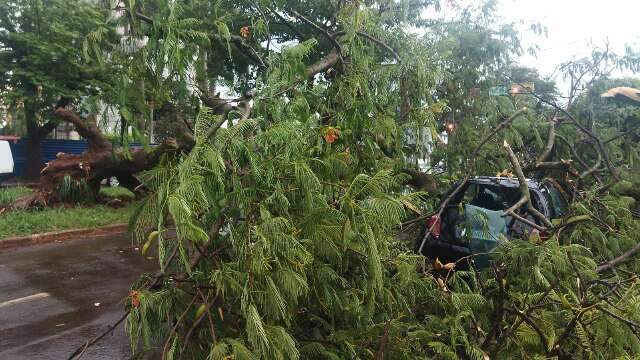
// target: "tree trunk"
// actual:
[[33, 162], [33, 146]]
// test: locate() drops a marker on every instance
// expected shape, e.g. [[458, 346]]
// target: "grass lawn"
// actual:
[[116, 192], [20, 223], [9, 194]]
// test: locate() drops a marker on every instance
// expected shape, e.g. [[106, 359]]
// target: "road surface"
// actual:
[[55, 296]]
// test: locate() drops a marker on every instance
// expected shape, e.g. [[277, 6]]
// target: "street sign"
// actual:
[[498, 91]]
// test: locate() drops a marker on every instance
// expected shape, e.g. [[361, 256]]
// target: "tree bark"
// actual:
[[33, 162], [33, 146]]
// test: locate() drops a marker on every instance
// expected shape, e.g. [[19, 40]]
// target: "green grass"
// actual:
[[116, 192], [20, 223], [9, 194]]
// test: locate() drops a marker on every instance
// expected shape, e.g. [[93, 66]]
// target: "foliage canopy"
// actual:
[[277, 220]]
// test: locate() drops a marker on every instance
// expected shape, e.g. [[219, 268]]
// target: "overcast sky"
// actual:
[[572, 26]]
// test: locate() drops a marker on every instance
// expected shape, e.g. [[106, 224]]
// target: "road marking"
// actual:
[[23, 299]]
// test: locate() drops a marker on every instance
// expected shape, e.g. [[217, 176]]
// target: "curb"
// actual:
[[21, 241]]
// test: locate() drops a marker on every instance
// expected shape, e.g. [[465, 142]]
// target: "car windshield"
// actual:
[[498, 198], [491, 197]]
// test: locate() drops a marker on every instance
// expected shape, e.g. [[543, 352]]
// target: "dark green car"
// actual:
[[475, 222]]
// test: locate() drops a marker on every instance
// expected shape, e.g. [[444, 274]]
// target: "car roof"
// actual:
[[503, 181]]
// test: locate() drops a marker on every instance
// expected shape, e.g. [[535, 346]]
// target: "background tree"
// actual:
[[42, 65]]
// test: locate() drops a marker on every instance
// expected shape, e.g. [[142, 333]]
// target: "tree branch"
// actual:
[[577, 157], [628, 132], [48, 127], [584, 130], [618, 260], [237, 40], [379, 42], [323, 64], [524, 188], [288, 24], [196, 323], [175, 327], [594, 168], [247, 50], [324, 32], [551, 137], [383, 341], [156, 279], [526, 313], [528, 320], [96, 141], [632, 324]]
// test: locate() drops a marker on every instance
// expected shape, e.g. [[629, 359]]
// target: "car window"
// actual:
[[558, 202], [484, 196], [541, 202], [470, 193]]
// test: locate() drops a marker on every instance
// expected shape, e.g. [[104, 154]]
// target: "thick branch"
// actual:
[[383, 341], [524, 188], [323, 64], [47, 128], [620, 259], [247, 50], [96, 141], [551, 137], [217, 104], [421, 180]]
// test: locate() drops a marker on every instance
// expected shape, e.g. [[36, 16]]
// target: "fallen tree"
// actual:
[[99, 162], [276, 231]]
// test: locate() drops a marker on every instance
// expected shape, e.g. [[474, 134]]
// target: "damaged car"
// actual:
[[475, 221]]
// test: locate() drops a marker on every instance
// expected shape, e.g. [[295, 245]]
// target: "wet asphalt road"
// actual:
[[49, 293]]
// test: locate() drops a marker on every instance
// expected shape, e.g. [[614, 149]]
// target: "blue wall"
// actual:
[[50, 147]]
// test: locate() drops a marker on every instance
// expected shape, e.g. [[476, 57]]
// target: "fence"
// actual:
[[50, 147]]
